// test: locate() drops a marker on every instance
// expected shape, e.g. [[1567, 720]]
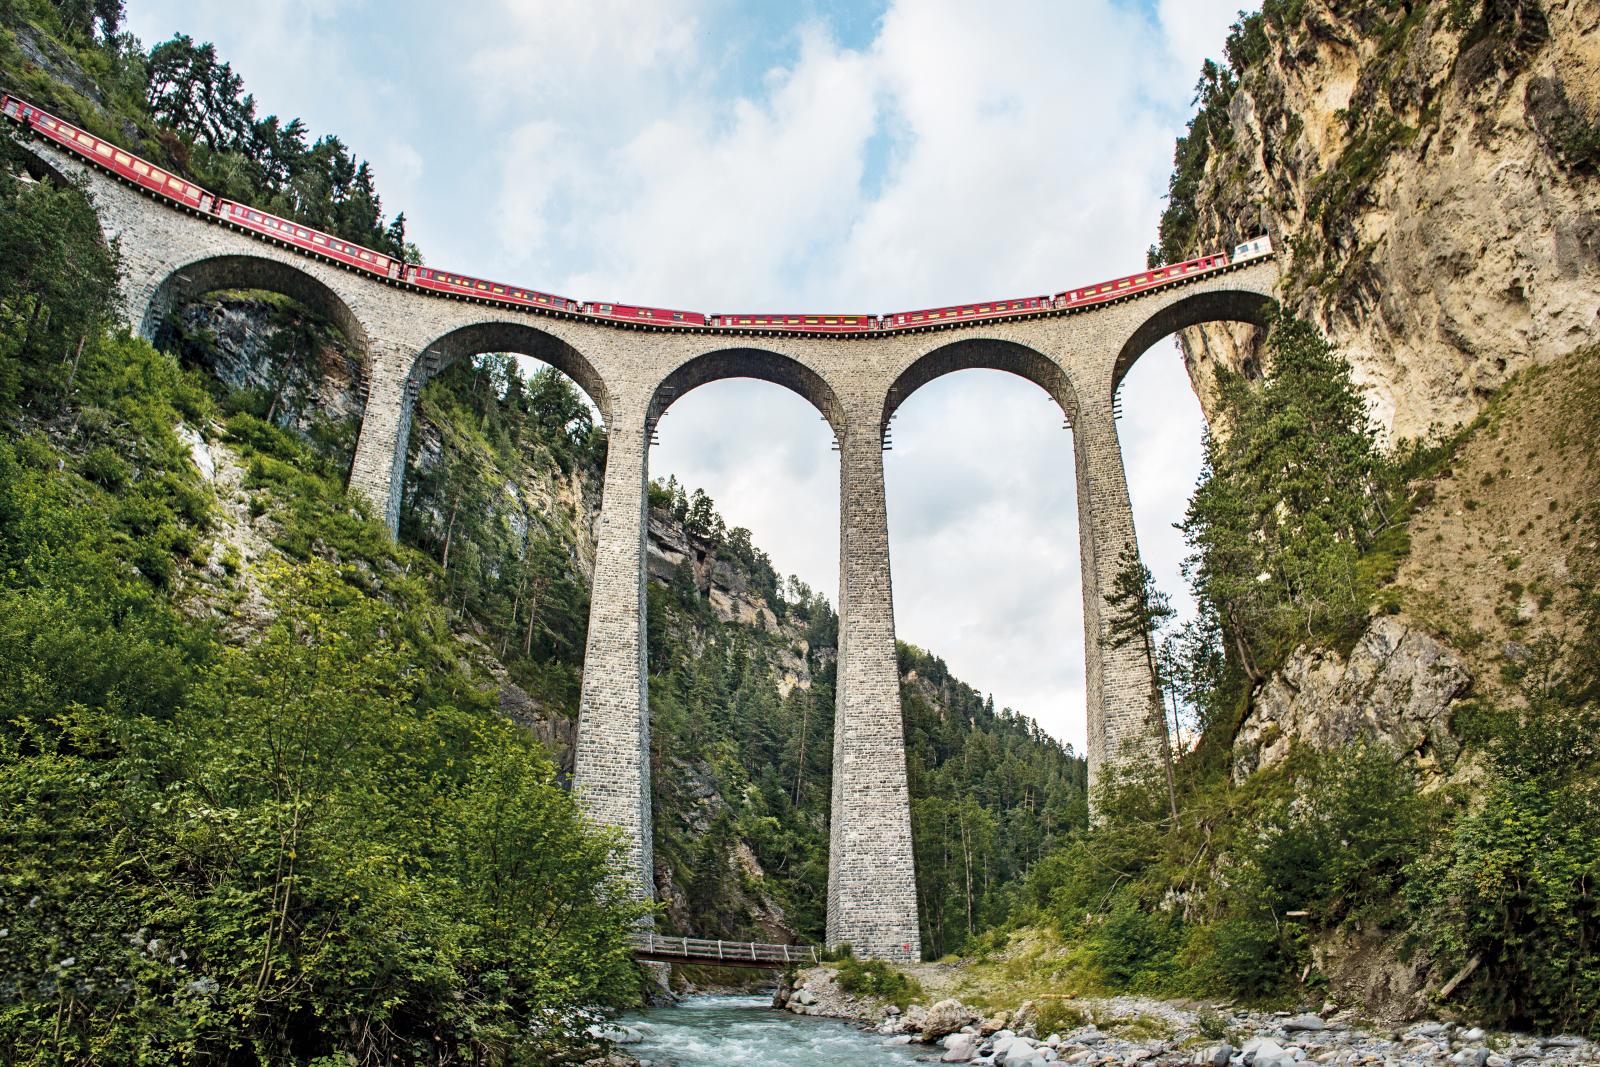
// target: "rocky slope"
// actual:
[[1428, 171]]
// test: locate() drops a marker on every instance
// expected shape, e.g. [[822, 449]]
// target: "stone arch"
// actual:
[[520, 338], [1217, 305], [983, 353], [759, 363], [194, 279], [41, 167]]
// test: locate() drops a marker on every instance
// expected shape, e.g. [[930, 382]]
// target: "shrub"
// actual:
[[874, 978], [104, 466]]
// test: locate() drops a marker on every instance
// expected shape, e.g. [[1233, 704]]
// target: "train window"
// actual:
[[140, 168], [318, 239], [84, 138], [103, 148], [677, 316], [811, 322], [499, 289], [124, 158]]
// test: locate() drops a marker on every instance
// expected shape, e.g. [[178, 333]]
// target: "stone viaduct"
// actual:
[[633, 375]]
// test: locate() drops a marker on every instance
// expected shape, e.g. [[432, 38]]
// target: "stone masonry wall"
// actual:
[[633, 375]]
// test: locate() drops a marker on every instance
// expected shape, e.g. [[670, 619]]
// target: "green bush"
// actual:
[[877, 979], [1137, 949], [1514, 884]]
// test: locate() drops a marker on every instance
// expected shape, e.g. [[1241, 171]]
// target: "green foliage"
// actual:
[[1209, 131], [1326, 837], [510, 565], [876, 979], [57, 284], [1513, 886], [991, 794], [1294, 493]]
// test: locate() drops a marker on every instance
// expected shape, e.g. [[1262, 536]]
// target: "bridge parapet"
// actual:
[[656, 948]]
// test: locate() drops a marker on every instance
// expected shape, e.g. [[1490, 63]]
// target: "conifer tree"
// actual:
[[1139, 610]]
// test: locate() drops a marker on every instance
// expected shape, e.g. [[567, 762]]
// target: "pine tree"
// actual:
[[1138, 611]]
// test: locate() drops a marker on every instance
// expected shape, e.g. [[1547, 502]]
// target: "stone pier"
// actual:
[[872, 889]]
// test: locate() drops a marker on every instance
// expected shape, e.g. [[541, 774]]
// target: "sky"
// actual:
[[814, 155]]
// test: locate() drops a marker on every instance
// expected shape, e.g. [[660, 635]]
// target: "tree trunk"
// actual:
[[449, 533], [1159, 706], [800, 764]]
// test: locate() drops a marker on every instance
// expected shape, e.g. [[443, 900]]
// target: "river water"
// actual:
[[717, 1031]]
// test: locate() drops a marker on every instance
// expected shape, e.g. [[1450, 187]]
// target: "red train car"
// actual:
[[1135, 283], [798, 323], [446, 281], [992, 309], [646, 316], [146, 175], [271, 226]]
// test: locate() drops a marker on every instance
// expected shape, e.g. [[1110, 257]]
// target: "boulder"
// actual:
[[1308, 1023], [1265, 1052], [959, 1048], [1014, 1052], [946, 1017]]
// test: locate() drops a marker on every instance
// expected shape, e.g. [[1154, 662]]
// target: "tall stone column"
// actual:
[[1123, 722], [378, 472], [872, 889], [612, 765]]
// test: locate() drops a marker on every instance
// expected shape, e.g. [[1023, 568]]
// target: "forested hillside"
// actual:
[[296, 770]]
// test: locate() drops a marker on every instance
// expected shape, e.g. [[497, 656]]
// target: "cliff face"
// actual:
[[1428, 170]]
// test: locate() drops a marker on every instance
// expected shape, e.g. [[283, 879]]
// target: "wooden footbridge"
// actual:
[[654, 948]]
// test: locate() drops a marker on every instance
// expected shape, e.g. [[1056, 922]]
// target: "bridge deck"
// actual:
[[655, 948]]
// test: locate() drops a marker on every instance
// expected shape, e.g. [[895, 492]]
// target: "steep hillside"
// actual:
[[1430, 169]]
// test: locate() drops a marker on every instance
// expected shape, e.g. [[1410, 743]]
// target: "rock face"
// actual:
[[1428, 171], [1396, 687], [305, 370]]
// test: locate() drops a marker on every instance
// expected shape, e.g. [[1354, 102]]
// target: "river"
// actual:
[[725, 1031]]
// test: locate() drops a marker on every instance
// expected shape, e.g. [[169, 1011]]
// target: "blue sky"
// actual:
[[813, 155]]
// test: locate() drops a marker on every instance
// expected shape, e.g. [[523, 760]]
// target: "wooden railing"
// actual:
[[659, 949]]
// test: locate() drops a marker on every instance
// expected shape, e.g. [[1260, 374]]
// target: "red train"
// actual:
[[177, 190]]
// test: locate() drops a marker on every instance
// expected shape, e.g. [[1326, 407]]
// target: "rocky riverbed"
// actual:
[[1137, 1030]]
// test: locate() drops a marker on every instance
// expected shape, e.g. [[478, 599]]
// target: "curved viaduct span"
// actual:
[[633, 372]]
